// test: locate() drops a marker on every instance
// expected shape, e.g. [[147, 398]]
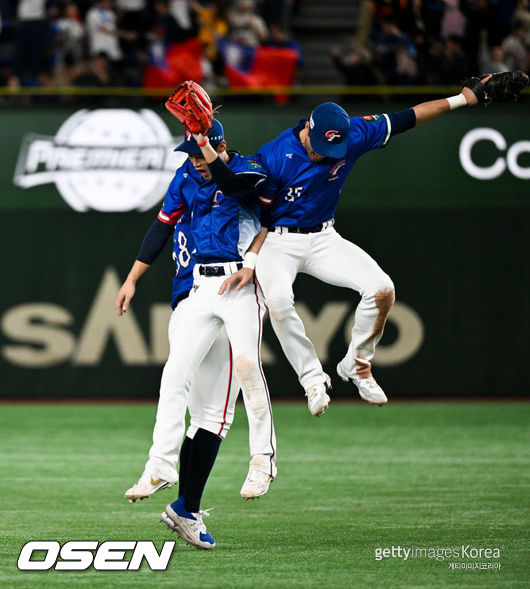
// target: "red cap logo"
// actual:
[[332, 134]]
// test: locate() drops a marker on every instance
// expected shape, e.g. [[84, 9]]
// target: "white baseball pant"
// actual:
[[211, 405], [334, 260], [194, 325]]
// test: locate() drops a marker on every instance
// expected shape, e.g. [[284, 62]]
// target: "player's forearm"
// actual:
[[228, 182], [137, 270], [257, 242], [251, 255], [207, 150], [154, 242], [427, 111]]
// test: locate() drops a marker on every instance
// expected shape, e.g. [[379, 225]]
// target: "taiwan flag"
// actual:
[[173, 64], [261, 67]]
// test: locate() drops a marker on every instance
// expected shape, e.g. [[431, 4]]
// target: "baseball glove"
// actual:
[[192, 106], [502, 87]]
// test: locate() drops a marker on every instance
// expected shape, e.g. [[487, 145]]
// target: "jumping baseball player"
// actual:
[[216, 188], [306, 169]]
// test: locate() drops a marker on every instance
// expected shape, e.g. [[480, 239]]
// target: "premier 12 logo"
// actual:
[[108, 160]]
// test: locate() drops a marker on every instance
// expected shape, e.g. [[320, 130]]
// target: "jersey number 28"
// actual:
[[183, 258]]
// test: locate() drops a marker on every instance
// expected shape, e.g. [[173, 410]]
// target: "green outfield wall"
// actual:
[[444, 209]]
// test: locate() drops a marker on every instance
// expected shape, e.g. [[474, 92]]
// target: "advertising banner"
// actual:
[[444, 209], [460, 325], [122, 159]]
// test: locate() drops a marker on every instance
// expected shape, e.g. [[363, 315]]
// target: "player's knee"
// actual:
[[385, 296], [280, 305], [251, 381]]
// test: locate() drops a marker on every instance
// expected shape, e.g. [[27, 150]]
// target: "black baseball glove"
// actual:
[[502, 87]]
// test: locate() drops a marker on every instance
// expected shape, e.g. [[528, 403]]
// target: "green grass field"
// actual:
[[436, 475]]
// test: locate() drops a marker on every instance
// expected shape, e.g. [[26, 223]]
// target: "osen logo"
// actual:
[[106, 160]]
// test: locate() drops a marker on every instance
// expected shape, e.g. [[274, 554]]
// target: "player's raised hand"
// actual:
[[124, 296], [241, 277], [470, 96]]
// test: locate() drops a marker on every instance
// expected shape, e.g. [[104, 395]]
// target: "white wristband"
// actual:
[[249, 260], [456, 101]]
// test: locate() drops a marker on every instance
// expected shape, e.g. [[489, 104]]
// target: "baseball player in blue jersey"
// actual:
[[214, 385], [216, 189], [306, 169]]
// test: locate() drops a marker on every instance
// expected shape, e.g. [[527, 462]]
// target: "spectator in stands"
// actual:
[[31, 54], [165, 28], [455, 65], [245, 26], [133, 17], [276, 13], [490, 58], [478, 18], [69, 34], [356, 64], [500, 20], [213, 24], [103, 34], [185, 17], [95, 72], [514, 48], [281, 39], [521, 16], [393, 50], [406, 66], [454, 21]]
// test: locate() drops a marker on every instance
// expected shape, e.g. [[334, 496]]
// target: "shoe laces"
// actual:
[[257, 477], [315, 392], [199, 523], [370, 381]]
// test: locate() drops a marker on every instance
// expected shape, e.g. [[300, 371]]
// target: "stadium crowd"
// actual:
[[140, 42], [111, 42], [435, 41]]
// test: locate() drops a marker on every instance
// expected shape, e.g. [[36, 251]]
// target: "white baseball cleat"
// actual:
[[189, 526], [317, 397], [369, 390], [256, 484], [146, 486]]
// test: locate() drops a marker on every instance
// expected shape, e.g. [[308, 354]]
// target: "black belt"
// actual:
[[315, 229], [217, 270]]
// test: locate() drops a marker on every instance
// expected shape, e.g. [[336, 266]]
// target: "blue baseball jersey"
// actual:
[[222, 226], [183, 250], [302, 193]]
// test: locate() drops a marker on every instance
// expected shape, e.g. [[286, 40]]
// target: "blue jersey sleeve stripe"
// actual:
[[389, 128]]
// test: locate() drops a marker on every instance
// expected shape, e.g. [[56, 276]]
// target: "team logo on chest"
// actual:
[[331, 135], [215, 199], [334, 172]]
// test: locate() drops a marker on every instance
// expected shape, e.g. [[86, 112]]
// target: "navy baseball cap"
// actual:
[[329, 125], [189, 145]]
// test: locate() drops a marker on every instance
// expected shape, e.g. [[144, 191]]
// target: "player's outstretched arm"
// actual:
[[128, 288], [430, 110], [246, 274]]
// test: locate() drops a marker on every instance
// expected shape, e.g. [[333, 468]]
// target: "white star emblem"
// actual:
[[289, 155]]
